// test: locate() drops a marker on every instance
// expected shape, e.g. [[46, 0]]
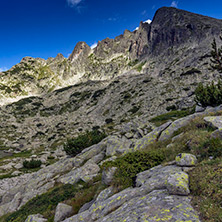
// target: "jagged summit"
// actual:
[[81, 49], [172, 32], [172, 26]]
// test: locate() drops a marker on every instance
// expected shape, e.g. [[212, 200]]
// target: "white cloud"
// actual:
[[174, 4], [93, 45], [148, 21], [112, 19], [73, 3], [143, 12], [2, 69]]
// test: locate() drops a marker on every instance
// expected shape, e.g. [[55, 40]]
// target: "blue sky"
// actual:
[[44, 28]]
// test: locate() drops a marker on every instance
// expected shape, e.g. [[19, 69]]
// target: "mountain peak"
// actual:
[[80, 50]]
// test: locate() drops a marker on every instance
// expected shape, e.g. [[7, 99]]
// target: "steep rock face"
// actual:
[[172, 27], [80, 51]]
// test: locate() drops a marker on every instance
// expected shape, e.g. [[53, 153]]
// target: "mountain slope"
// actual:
[[117, 87]]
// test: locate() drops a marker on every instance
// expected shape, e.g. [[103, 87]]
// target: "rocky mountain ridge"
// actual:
[[153, 49], [119, 88]]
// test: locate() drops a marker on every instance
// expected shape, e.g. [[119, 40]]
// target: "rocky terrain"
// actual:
[[119, 87]]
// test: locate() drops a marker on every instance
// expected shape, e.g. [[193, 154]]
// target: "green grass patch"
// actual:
[[133, 63], [140, 66], [172, 115], [75, 195], [206, 188], [45, 203], [5, 176], [76, 145]]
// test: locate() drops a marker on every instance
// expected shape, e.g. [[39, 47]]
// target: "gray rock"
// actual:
[[177, 184], [16, 173], [115, 145], [186, 159], [62, 212], [199, 109], [103, 195], [176, 125], [150, 137], [86, 206], [18, 166], [217, 134], [155, 206], [108, 174], [156, 177], [214, 121], [85, 173], [35, 218], [129, 135], [177, 137], [112, 158]]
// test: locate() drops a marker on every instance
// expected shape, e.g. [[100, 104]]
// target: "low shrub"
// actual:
[[206, 189], [175, 114], [211, 147], [76, 145], [44, 204], [131, 164], [32, 164], [209, 95], [75, 195]]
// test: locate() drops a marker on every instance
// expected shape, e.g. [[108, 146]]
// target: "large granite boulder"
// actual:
[[115, 145], [186, 159], [214, 121], [62, 212], [89, 170], [176, 125], [177, 184], [35, 218]]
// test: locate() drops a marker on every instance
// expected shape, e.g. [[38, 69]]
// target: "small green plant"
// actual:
[[211, 147], [32, 164], [76, 145], [209, 95], [131, 164], [206, 189], [172, 115], [216, 54]]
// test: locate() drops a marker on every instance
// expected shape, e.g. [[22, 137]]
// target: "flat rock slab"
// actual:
[[176, 125], [85, 173], [62, 212], [151, 137], [214, 121], [35, 218]]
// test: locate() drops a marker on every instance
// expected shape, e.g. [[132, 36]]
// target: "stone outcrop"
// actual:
[[62, 212], [160, 195], [35, 218]]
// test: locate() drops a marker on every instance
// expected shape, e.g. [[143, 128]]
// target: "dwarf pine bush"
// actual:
[[209, 95]]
